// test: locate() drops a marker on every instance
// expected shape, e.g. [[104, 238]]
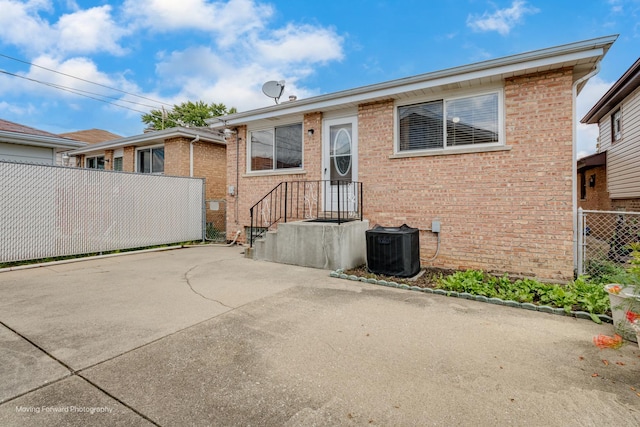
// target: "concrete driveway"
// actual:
[[201, 336]]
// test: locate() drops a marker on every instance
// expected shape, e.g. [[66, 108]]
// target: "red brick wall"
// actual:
[[108, 160], [629, 205], [597, 197], [503, 211], [209, 162], [252, 188], [129, 159]]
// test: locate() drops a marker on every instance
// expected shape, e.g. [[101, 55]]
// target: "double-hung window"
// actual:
[[276, 148], [96, 162], [446, 123], [150, 160]]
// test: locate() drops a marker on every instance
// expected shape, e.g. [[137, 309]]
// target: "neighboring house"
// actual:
[[610, 179], [19, 143], [90, 136], [180, 151], [487, 149]]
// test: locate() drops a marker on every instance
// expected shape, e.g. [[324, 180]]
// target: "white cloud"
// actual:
[[83, 31], [88, 31], [502, 20], [292, 45], [230, 20], [200, 73], [587, 135], [20, 24], [238, 51]]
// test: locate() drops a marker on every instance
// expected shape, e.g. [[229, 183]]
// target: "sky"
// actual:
[[69, 65]]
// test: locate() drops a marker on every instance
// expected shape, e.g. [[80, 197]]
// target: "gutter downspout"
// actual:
[[574, 169], [196, 139]]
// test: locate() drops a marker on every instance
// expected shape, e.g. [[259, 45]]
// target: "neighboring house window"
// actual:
[[277, 148], [96, 162], [117, 163], [583, 186], [150, 160], [616, 126], [469, 121]]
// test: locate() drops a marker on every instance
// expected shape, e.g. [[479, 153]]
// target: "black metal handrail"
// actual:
[[331, 201]]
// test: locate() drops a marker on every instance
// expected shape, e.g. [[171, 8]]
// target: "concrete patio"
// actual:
[[202, 336]]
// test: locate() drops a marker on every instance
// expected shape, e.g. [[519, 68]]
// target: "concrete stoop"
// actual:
[[315, 244]]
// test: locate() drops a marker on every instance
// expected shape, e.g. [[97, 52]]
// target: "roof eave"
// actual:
[[595, 48], [39, 140], [151, 137], [623, 87]]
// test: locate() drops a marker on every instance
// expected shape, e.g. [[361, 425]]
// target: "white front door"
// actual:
[[340, 164]]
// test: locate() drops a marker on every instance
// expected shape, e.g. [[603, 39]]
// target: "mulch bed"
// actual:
[[427, 279]]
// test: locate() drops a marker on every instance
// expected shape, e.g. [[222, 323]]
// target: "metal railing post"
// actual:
[[251, 228], [286, 195], [339, 185], [360, 207]]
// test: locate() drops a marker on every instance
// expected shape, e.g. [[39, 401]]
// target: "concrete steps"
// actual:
[[314, 244]]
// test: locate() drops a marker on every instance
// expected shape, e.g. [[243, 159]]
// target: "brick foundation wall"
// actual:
[[502, 211], [629, 205]]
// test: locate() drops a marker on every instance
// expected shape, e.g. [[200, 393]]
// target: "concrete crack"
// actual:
[[186, 278]]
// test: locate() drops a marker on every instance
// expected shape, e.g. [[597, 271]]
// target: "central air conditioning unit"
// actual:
[[393, 251]]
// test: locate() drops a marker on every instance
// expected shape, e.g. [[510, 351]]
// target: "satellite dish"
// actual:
[[273, 89]]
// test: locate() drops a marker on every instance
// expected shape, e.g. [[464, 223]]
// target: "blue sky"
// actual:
[[143, 53]]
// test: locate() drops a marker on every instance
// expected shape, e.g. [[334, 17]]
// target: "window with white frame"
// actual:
[[616, 126], [94, 162], [150, 160], [454, 122], [276, 148]]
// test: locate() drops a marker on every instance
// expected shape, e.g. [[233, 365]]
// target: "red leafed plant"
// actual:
[[605, 341]]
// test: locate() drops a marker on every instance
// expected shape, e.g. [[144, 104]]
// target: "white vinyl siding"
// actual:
[[623, 164], [26, 153], [605, 133]]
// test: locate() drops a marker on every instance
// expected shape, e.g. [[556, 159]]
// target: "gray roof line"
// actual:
[[204, 133], [624, 86], [39, 140], [597, 43]]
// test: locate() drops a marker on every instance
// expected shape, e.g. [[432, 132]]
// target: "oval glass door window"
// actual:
[[341, 153]]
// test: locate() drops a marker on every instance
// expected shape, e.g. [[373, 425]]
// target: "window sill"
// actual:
[[275, 173], [449, 151]]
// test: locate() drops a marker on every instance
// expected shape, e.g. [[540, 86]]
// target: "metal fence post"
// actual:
[[204, 213], [581, 231]]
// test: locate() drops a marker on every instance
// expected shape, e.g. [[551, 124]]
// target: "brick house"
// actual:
[[610, 178], [487, 149], [180, 151]]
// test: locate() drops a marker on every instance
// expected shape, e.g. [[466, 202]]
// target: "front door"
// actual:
[[340, 165]]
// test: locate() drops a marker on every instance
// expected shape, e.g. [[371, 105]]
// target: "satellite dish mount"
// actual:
[[273, 89]]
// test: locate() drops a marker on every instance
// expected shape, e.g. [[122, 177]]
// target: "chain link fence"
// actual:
[[603, 241], [216, 220], [52, 211]]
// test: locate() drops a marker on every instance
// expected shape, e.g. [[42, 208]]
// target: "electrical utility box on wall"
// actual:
[[393, 251]]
